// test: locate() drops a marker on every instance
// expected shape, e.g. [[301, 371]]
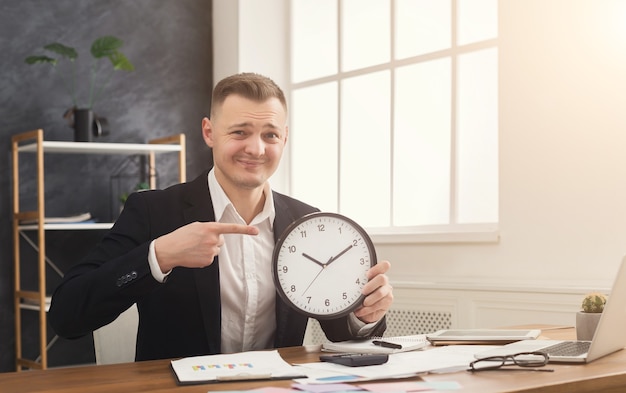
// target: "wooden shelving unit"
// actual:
[[32, 142]]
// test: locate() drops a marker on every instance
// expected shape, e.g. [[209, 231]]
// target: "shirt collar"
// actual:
[[221, 201]]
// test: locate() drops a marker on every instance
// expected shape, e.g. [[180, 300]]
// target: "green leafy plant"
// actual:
[[594, 303], [138, 187], [103, 47]]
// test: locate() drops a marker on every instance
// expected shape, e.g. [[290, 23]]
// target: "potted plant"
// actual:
[[142, 186], [587, 319], [81, 116]]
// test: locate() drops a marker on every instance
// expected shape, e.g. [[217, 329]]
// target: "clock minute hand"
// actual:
[[312, 259], [333, 259]]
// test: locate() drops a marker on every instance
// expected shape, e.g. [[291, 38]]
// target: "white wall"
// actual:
[[562, 168], [562, 153]]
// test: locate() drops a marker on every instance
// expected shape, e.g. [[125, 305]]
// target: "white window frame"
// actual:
[[449, 233]]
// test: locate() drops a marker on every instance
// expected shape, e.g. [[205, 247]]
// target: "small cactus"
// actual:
[[594, 303]]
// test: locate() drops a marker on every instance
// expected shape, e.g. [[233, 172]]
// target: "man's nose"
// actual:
[[255, 146]]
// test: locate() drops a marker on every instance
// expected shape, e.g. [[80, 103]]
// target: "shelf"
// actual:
[[35, 220], [34, 306], [68, 227], [99, 148]]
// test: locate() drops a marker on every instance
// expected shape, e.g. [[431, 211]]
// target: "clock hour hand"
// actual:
[[333, 259], [312, 259]]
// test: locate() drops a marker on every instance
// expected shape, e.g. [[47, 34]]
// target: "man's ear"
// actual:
[[207, 131], [286, 134]]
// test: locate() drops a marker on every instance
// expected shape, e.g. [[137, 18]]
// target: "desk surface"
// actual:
[[607, 374]]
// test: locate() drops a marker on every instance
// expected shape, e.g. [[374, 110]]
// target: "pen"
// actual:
[[387, 344]]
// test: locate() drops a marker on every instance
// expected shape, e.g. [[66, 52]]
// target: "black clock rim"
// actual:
[[281, 240]]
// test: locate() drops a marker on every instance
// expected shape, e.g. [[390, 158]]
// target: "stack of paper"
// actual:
[[253, 365], [446, 359]]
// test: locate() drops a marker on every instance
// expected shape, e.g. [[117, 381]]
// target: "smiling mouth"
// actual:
[[250, 164]]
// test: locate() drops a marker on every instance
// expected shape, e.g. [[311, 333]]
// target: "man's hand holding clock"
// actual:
[[378, 294]]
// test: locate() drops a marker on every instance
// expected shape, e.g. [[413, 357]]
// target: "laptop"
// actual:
[[608, 338]]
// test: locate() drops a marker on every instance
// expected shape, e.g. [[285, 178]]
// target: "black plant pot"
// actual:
[[83, 125], [88, 125]]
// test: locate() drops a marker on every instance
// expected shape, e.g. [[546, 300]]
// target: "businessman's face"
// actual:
[[247, 139]]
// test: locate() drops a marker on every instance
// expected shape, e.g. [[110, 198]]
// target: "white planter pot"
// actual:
[[586, 323]]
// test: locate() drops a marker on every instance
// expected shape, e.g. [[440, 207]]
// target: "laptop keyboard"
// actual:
[[568, 348]]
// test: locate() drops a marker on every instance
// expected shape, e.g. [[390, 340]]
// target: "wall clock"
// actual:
[[320, 264]]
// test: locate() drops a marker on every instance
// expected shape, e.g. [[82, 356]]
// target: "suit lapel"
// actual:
[[281, 222], [207, 280]]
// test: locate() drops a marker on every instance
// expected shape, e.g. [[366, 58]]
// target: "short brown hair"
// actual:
[[249, 85]]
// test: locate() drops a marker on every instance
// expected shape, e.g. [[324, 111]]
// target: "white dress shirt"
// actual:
[[246, 284]]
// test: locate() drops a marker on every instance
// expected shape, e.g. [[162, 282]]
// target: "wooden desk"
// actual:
[[607, 374]]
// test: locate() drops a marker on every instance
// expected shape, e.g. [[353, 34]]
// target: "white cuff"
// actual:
[[155, 269], [361, 328]]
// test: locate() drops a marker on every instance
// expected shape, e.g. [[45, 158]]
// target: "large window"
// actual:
[[394, 111]]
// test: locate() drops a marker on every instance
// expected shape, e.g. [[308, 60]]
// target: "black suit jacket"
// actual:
[[178, 318]]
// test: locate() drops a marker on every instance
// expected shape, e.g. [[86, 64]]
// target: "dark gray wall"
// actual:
[[170, 44]]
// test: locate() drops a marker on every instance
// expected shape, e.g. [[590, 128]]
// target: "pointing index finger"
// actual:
[[225, 228]]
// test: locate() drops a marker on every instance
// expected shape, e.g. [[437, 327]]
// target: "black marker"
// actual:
[[387, 344]]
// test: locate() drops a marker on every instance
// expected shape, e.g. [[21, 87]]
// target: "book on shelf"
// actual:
[[47, 299], [77, 218]]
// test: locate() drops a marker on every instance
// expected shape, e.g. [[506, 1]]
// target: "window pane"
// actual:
[[421, 27], [314, 151], [365, 33], [421, 155], [313, 39], [425, 166], [365, 142], [478, 20], [477, 137]]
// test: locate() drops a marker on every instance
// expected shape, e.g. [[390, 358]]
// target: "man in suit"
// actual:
[[196, 257]]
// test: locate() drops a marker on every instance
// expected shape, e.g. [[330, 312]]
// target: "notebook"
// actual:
[[481, 336], [608, 338], [378, 345]]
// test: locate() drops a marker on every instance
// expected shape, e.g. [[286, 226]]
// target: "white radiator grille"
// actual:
[[408, 322], [399, 323]]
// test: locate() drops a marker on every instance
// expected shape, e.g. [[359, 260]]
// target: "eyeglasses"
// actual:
[[523, 359]]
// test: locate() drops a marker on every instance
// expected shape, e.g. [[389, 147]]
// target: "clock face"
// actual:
[[320, 264]]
